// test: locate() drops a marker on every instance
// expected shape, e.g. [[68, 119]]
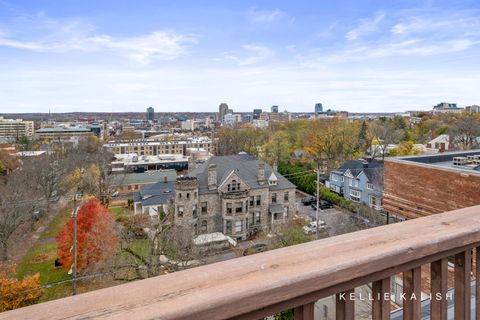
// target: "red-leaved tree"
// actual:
[[96, 237]]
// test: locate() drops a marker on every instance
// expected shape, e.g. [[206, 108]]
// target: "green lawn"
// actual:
[[118, 212], [56, 226], [41, 258]]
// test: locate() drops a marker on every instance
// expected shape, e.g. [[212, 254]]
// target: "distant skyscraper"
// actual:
[[222, 111], [150, 114], [318, 108], [257, 113], [274, 109]]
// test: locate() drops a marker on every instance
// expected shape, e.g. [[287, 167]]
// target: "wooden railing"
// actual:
[[263, 284]]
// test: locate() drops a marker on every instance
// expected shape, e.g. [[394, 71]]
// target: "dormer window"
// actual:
[[233, 186], [272, 181]]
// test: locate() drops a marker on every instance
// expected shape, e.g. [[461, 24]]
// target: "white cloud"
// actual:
[[295, 89], [65, 36], [251, 54], [266, 16], [365, 27]]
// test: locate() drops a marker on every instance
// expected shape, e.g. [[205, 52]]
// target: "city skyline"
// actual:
[[186, 56]]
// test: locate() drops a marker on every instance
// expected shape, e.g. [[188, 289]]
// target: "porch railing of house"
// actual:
[[264, 284]]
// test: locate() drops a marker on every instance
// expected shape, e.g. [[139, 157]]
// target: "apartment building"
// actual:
[[417, 186], [16, 128], [153, 147]]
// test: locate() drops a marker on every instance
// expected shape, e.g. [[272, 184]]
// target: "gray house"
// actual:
[[359, 181], [236, 195]]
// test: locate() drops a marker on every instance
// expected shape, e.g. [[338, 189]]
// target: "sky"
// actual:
[[190, 56]]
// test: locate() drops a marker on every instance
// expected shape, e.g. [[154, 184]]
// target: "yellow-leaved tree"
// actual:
[[16, 293]]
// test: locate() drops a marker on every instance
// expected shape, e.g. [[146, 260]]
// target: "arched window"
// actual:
[[203, 227]]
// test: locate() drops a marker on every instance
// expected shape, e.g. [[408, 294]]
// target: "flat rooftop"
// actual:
[[444, 160]]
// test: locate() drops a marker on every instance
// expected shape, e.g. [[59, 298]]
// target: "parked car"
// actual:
[[308, 200], [323, 204], [256, 248], [312, 226]]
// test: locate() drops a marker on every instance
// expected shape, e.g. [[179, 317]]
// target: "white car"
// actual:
[[311, 227]]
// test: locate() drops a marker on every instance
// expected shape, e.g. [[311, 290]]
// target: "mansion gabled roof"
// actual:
[[245, 166]]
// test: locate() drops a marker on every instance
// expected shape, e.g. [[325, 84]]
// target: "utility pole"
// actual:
[[74, 265], [318, 202]]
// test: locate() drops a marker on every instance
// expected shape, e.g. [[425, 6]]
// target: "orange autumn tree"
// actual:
[[16, 293], [96, 237]]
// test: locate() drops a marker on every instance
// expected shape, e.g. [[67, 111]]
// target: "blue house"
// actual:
[[359, 181]]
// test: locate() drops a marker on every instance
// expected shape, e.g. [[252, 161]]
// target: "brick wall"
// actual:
[[412, 190]]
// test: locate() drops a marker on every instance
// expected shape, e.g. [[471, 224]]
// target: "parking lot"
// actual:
[[338, 221]]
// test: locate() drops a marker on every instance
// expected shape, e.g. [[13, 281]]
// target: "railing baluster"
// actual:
[[477, 283], [381, 299], [463, 267], [412, 281], [304, 312], [439, 287], [345, 305]]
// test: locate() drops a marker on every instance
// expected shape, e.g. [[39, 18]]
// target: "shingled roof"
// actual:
[[373, 170], [155, 194], [245, 165]]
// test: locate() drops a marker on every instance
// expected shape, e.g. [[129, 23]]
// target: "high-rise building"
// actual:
[[274, 109], [15, 128], [257, 113], [222, 111], [318, 108], [150, 114]]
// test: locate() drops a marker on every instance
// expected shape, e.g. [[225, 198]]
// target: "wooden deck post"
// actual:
[[381, 299], [345, 305], [412, 281], [463, 268], [304, 312], [438, 284]]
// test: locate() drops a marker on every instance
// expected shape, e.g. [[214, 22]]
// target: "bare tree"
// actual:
[[18, 202], [465, 132], [169, 248], [384, 134]]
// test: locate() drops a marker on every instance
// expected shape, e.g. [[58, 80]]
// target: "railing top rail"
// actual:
[[239, 286]]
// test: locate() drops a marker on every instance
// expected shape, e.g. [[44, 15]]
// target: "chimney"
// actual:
[[275, 166], [212, 177], [261, 173]]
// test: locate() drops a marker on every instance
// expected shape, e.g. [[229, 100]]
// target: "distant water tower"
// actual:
[[274, 109], [318, 108]]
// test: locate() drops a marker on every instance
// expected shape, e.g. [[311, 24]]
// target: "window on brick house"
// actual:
[[257, 218], [285, 196], [194, 212], [238, 226], [229, 208], [238, 207], [204, 207], [180, 210], [259, 200], [274, 197]]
